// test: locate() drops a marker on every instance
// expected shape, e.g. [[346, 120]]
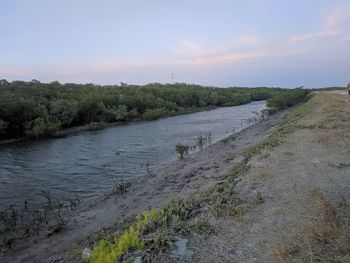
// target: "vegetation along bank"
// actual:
[[35, 109]]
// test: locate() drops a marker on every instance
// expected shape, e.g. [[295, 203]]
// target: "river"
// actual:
[[85, 164]]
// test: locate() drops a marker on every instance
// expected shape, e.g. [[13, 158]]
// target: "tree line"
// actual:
[[38, 109]]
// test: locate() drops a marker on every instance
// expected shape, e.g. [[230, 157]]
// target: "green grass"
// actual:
[[203, 227]]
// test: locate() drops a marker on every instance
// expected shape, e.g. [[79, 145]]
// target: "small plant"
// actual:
[[182, 150], [223, 203], [201, 141], [96, 125], [259, 198], [3, 127], [147, 167], [110, 252], [120, 186], [209, 137], [203, 227]]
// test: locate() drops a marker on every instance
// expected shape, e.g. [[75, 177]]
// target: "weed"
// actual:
[[239, 169], [224, 203], [259, 198], [139, 235], [203, 227]]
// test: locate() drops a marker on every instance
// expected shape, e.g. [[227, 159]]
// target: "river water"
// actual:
[[85, 164]]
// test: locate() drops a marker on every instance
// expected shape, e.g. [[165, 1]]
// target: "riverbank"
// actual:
[[181, 178], [285, 200]]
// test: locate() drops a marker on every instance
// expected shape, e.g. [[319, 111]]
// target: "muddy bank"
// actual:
[[180, 178]]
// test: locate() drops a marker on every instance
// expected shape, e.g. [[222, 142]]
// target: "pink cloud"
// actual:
[[194, 53], [330, 28], [335, 18], [313, 35]]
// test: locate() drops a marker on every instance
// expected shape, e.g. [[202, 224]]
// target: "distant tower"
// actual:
[[172, 78]]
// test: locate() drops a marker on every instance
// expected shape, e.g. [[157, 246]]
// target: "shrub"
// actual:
[[287, 99], [151, 114], [96, 125], [40, 127], [3, 127], [110, 252], [182, 149], [117, 113]]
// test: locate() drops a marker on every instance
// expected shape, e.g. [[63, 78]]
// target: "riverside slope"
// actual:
[[178, 179]]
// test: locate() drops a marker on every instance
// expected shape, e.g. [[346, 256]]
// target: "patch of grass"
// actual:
[[225, 204], [237, 170], [152, 230], [324, 237], [288, 125], [203, 227]]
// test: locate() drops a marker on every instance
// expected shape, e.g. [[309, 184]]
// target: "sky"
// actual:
[[219, 43]]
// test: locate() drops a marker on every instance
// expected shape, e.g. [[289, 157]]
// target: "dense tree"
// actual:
[[40, 109]]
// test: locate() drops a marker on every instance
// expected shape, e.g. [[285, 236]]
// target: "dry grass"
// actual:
[[260, 175], [323, 237]]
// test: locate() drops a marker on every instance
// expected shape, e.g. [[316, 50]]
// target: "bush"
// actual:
[[182, 149], [152, 114], [287, 99], [3, 127], [40, 128], [96, 125], [117, 113]]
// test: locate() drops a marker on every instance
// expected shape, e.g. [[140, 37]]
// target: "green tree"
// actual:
[[39, 127], [117, 113], [63, 111]]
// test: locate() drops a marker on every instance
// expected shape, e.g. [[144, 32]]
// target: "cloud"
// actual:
[[313, 35], [330, 28], [345, 38], [188, 47], [248, 40], [244, 47], [336, 18], [223, 58]]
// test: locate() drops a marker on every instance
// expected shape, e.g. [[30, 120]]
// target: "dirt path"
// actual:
[[295, 197], [178, 179]]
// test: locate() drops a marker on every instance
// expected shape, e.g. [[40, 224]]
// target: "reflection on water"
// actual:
[[77, 164]]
